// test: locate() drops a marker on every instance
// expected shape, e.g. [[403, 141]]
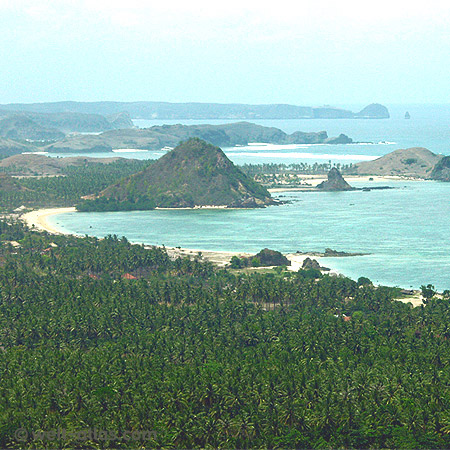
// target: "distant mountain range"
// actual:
[[200, 111]]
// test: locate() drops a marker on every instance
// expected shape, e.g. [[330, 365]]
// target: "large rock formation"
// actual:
[[335, 182], [195, 173], [411, 162]]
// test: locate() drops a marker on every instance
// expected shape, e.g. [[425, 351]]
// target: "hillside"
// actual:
[[157, 137], [411, 162], [441, 171], [195, 173], [9, 184], [9, 147], [29, 164], [165, 110], [21, 127], [54, 126]]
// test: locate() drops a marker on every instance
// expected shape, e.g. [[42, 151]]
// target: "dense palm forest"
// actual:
[[66, 190], [108, 335]]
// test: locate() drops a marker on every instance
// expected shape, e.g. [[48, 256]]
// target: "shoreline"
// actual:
[[38, 220]]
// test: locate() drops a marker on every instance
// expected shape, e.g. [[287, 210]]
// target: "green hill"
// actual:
[[195, 173]]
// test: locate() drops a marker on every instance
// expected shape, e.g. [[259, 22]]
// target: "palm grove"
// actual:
[[208, 357]]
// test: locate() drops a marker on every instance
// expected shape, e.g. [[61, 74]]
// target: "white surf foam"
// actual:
[[300, 155]]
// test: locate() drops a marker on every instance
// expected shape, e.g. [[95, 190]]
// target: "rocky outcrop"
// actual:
[[309, 263], [341, 139], [335, 182]]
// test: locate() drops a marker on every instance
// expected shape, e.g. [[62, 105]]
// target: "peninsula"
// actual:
[[158, 137]]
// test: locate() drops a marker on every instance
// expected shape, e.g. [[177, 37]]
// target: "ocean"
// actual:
[[404, 231]]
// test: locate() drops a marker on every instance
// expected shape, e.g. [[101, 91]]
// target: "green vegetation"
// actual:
[[64, 190], [208, 358], [264, 258], [195, 173], [105, 204], [299, 168]]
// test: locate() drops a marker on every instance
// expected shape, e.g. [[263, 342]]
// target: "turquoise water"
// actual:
[[405, 230]]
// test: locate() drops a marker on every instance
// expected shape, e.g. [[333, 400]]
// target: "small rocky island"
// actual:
[[335, 182], [194, 174]]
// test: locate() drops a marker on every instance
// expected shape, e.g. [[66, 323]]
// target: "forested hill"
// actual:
[[195, 173], [165, 110], [157, 137]]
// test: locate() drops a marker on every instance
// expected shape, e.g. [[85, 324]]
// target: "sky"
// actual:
[[304, 52]]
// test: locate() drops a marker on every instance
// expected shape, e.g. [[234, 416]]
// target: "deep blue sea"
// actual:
[[405, 230]]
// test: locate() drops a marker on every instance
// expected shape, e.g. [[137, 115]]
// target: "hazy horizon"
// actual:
[[312, 53]]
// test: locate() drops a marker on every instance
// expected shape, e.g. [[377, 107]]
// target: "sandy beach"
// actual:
[[38, 219]]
